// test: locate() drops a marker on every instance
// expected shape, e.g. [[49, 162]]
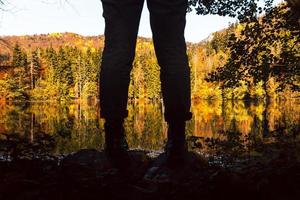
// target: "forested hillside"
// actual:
[[254, 60]]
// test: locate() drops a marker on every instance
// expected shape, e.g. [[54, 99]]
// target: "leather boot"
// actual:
[[176, 147], [115, 141]]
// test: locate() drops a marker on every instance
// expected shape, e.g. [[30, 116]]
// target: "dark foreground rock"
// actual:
[[89, 174]]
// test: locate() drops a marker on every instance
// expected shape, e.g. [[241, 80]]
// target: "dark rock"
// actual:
[[90, 174]]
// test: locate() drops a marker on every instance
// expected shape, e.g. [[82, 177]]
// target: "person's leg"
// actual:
[[167, 18], [121, 27]]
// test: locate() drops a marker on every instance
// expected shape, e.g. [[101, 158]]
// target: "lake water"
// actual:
[[76, 126]]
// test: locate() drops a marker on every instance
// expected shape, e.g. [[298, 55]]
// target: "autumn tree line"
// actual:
[[70, 73], [255, 59]]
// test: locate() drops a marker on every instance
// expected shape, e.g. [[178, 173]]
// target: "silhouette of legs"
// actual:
[[167, 18], [121, 27]]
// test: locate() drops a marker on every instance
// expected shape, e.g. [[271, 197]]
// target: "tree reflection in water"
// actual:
[[76, 126]]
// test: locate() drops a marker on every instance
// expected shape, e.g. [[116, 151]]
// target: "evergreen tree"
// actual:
[[35, 67]]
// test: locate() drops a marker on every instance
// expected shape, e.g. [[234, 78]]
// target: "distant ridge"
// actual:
[[55, 40]]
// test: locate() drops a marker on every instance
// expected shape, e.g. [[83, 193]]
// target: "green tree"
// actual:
[[35, 67], [19, 78], [19, 58]]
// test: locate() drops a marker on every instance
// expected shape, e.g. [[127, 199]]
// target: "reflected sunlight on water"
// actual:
[[75, 126]]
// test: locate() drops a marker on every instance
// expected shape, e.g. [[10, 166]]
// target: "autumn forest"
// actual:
[[243, 140], [254, 60]]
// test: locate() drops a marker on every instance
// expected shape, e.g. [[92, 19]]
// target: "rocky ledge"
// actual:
[[89, 174]]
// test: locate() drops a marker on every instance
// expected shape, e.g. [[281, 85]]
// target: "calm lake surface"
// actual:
[[76, 126]]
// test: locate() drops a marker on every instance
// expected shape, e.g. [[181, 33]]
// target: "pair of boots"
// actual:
[[116, 145]]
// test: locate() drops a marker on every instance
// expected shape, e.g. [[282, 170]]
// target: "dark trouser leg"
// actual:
[[121, 27], [167, 18]]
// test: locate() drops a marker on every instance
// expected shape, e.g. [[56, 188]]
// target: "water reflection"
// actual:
[[77, 125]]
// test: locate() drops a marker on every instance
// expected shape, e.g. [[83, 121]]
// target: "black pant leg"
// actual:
[[121, 27], [168, 19]]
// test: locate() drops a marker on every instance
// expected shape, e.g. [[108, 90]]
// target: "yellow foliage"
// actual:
[[55, 35]]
